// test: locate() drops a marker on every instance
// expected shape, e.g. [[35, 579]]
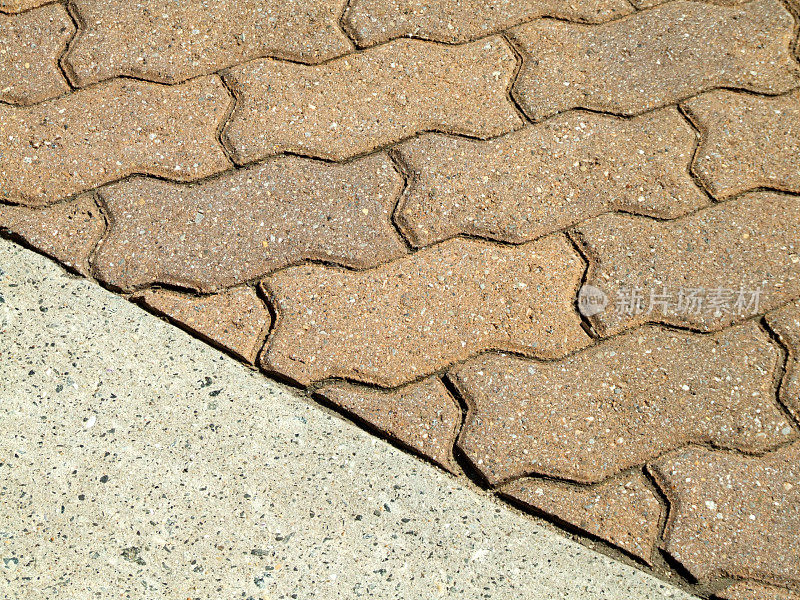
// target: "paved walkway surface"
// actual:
[[552, 248]]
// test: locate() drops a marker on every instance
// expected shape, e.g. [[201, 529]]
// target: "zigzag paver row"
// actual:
[[387, 312]]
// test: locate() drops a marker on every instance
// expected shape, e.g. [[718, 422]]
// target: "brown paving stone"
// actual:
[[620, 403], [750, 141], [168, 41], [423, 415], [377, 97], [707, 267], [734, 515], [30, 46], [246, 223], [453, 21], [548, 176], [625, 512], [68, 231], [407, 319], [786, 323], [237, 319], [15, 6], [753, 590], [656, 57], [642, 4], [80, 141]]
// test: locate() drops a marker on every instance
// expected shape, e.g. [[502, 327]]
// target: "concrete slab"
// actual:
[[138, 462]]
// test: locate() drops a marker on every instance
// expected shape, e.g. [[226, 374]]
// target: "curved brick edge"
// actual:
[[785, 323]]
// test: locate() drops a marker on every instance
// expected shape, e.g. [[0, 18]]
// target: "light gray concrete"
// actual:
[[140, 463]]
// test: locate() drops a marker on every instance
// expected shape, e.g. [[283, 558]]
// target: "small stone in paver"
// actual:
[[548, 176], [68, 231], [236, 320], [453, 21], [734, 515], [15, 6], [655, 58], [374, 98], [169, 41], [709, 270], [423, 415], [620, 403], [625, 512], [405, 320], [77, 142], [786, 323], [753, 590], [749, 141], [246, 223], [30, 46]]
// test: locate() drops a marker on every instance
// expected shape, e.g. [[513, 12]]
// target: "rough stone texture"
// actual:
[[655, 58], [453, 21], [749, 141], [244, 224], [548, 176], [753, 590], [68, 231], [236, 320], [786, 323], [30, 45], [80, 141], [718, 256], [621, 403], [732, 514], [642, 4], [374, 98], [15, 6], [168, 41], [625, 512], [423, 416], [407, 319]]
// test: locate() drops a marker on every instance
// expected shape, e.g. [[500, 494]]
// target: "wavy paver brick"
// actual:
[[548, 176], [749, 141], [246, 223], [236, 320], [452, 21], [734, 515], [168, 41], [77, 142], [68, 231], [15, 6], [625, 512], [708, 270], [753, 590], [405, 320], [620, 403], [786, 323], [655, 57], [30, 46], [374, 98], [423, 416]]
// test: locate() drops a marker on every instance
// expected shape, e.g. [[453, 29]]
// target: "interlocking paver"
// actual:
[[237, 319], [655, 57], [786, 323], [77, 142], [750, 141], [423, 415], [642, 4], [624, 512], [548, 176], [734, 515], [407, 319], [68, 231], [376, 21], [246, 223], [377, 97], [167, 41], [704, 271], [30, 46], [15, 6], [620, 403], [753, 590]]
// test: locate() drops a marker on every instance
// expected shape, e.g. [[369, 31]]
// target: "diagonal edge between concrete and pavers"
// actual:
[[142, 457]]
